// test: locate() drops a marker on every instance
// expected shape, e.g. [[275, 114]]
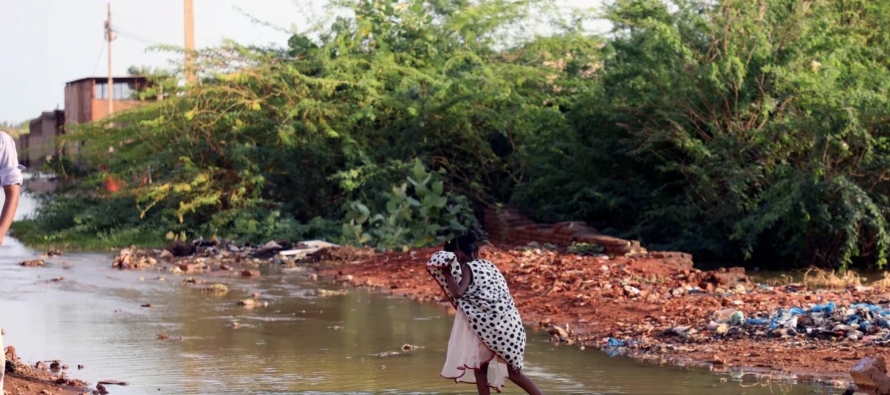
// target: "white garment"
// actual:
[[466, 352], [10, 169]]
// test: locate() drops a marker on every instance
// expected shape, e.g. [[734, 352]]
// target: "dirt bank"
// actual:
[[656, 306], [43, 377]]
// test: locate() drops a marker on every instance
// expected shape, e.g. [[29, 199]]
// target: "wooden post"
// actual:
[[189, 19], [109, 35]]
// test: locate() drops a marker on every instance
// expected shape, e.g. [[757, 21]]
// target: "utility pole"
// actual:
[[109, 35], [189, 19]]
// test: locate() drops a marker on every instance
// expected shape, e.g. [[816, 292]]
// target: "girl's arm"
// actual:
[[458, 289]]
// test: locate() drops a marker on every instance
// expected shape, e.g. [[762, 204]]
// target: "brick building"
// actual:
[[86, 100], [42, 136]]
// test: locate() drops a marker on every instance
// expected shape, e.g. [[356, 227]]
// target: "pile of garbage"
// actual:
[[856, 322], [218, 254]]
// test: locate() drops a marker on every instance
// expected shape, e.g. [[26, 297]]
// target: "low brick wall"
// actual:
[[506, 225]]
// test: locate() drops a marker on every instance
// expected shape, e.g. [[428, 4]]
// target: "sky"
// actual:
[[46, 43]]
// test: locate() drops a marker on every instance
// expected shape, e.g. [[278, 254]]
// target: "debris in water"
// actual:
[[33, 263]]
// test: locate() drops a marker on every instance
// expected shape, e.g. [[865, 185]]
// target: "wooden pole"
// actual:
[[189, 19], [109, 35]]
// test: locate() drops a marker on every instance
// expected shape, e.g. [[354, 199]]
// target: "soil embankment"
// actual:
[[44, 377]]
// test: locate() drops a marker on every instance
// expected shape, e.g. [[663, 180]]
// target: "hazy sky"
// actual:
[[46, 43]]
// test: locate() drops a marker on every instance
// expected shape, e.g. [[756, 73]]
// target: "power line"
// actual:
[[136, 37], [99, 59]]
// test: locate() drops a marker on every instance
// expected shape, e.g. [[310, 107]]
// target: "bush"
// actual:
[[417, 213]]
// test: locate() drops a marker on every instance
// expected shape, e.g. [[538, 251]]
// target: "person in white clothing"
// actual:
[[11, 179]]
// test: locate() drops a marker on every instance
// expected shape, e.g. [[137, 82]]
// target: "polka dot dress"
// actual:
[[487, 304]]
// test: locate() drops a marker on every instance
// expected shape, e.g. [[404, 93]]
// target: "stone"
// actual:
[[250, 273], [32, 263], [870, 374], [247, 303]]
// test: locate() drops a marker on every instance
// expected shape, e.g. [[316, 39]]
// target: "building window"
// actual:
[[122, 91]]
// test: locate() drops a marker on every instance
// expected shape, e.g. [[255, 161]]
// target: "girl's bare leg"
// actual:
[[522, 381], [482, 379]]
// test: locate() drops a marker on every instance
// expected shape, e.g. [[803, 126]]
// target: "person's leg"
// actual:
[[523, 381], [482, 379]]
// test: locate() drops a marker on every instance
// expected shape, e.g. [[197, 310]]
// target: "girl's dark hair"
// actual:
[[466, 243]]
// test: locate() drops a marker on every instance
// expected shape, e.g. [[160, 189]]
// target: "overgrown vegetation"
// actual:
[[273, 138], [421, 216], [731, 129]]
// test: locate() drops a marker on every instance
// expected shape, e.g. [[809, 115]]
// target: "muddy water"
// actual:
[[93, 317]]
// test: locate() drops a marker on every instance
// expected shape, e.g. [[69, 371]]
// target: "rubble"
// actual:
[[216, 289], [870, 374], [40, 378], [201, 256]]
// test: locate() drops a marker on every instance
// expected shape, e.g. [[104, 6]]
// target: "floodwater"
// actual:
[[292, 346]]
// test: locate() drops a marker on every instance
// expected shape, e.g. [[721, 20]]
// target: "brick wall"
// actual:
[[507, 226]]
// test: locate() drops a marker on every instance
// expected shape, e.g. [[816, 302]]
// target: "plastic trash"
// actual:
[[756, 321], [615, 343], [737, 318], [798, 311], [724, 315], [780, 319], [827, 307]]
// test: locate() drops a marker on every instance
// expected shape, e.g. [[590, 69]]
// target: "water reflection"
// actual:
[[93, 317]]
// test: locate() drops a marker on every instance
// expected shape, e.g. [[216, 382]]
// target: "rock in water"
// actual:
[[870, 374], [180, 248], [32, 263]]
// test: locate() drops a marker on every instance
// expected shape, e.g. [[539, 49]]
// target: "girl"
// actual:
[[487, 336]]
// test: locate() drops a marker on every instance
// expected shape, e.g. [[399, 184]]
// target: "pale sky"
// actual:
[[46, 43]]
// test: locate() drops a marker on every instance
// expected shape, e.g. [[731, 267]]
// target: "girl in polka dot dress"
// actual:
[[487, 337]]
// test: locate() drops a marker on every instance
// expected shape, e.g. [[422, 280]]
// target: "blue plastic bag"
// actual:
[[615, 343], [756, 321], [828, 308]]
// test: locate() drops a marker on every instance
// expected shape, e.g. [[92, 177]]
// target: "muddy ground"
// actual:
[[41, 378], [653, 306]]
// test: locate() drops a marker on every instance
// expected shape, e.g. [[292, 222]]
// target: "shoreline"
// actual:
[[44, 377], [653, 306], [631, 306]]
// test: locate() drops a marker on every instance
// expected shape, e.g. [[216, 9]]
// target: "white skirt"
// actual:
[[466, 353]]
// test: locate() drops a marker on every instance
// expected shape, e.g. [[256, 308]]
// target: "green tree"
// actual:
[[734, 129], [286, 135]]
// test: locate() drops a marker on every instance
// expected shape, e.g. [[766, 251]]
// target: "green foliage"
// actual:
[[417, 213], [585, 249], [732, 129], [15, 129], [78, 222], [271, 138]]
